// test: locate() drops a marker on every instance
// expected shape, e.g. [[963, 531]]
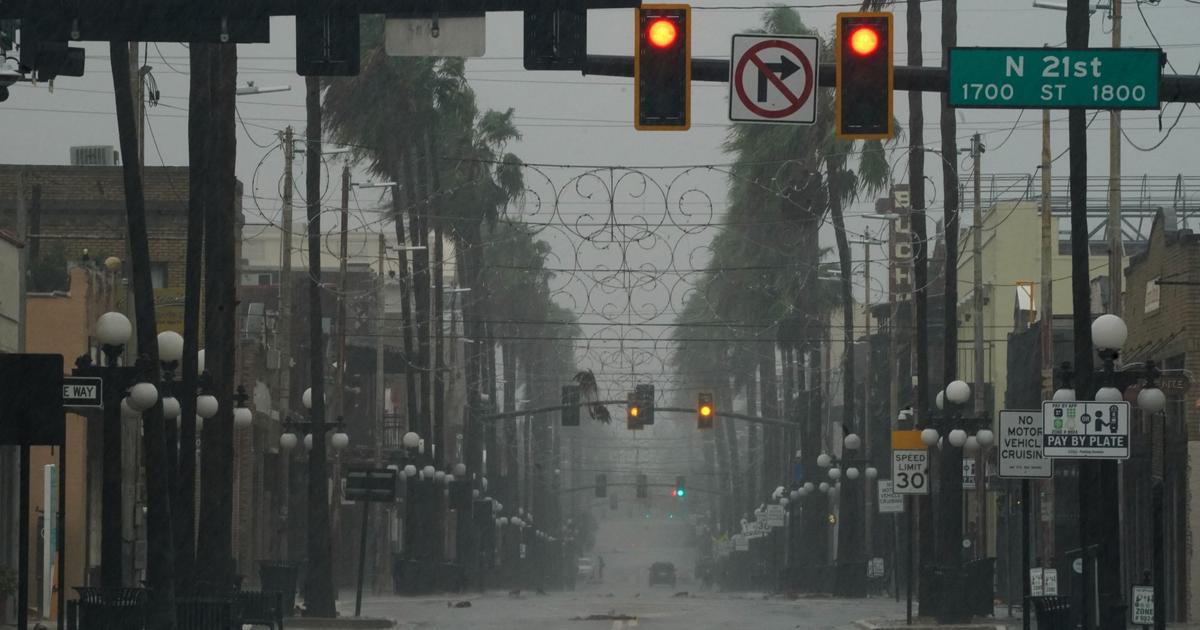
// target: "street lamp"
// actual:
[[1109, 334]]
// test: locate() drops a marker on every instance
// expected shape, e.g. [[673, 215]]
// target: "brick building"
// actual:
[[73, 208], [1162, 310]]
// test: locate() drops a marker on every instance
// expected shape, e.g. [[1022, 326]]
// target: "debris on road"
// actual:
[[459, 604], [610, 616]]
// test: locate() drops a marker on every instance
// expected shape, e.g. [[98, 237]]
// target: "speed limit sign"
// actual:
[[910, 471]]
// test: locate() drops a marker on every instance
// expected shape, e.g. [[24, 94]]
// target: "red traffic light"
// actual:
[[662, 33], [864, 40]]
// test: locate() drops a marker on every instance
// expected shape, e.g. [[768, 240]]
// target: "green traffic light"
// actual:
[[679, 492]]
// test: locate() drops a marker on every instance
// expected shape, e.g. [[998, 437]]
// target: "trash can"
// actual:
[[280, 578], [979, 584]]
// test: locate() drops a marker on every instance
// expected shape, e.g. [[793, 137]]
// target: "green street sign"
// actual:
[[1055, 78]]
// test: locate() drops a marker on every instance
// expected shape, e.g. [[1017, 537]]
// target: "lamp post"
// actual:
[[950, 426], [113, 331], [1100, 530], [318, 587], [851, 578]]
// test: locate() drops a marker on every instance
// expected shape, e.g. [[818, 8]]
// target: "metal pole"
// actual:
[[110, 488], [1025, 544], [23, 547], [319, 595], [284, 336], [1090, 507], [977, 272], [362, 558], [1114, 185], [61, 537], [912, 555]]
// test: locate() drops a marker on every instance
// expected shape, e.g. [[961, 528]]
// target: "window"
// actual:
[[158, 275]]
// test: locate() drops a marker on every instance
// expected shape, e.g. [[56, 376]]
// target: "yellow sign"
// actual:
[[907, 440]]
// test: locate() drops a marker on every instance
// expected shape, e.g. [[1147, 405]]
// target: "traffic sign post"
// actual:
[[1054, 78], [1020, 454], [368, 485], [773, 79], [1086, 430]]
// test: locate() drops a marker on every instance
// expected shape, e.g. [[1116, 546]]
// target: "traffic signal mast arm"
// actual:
[[1172, 87], [16, 9], [691, 411]]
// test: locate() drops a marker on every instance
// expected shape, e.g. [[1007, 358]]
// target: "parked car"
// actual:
[[587, 568], [662, 573]]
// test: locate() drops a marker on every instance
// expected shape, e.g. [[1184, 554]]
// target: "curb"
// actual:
[[868, 624], [340, 623]]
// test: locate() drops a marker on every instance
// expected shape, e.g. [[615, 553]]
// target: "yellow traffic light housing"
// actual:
[[863, 109], [662, 67], [705, 411]]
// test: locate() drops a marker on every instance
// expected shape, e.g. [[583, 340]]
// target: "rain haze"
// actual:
[[610, 377]]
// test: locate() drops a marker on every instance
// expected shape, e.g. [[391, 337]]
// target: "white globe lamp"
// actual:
[[1109, 332], [113, 329], [958, 437], [929, 437], [142, 396], [207, 405], [1109, 394], [852, 442], [170, 408], [1152, 400], [986, 437], [242, 417], [852, 473], [339, 441], [958, 392], [835, 473], [411, 440], [308, 441], [288, 441], [824, 460], [170, 346], [1064, 394], [872, 472], [410, 471]]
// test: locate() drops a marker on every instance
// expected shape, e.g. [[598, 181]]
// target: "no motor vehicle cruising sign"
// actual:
[[1020, 454], [773, 78]]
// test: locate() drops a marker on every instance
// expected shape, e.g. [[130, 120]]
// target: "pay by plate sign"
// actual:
[[1086, 430], [1020, 454]]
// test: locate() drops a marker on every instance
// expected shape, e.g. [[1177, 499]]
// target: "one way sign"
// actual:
[[83, 391], [773, 78]]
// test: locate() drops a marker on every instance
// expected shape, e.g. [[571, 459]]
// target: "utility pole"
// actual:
[[1091, 509], [1047, 293], [1114, 187], [341, 301], [340, 374], [318, 591], [977, 255], [283, 330], [977, 317]]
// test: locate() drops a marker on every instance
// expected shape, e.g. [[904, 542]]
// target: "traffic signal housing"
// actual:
[[863, 109], [642, 487], [601, 485], [645, 399], [680, 487], [662, 67], [705, 411], [570, 401], [633, 412]]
